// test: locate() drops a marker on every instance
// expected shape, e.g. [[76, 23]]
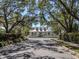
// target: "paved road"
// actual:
[[34, 48]]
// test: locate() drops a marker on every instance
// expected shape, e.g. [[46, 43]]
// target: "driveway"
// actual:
[[34, 48]]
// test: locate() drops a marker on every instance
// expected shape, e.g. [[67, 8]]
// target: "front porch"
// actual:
[[42, 34]]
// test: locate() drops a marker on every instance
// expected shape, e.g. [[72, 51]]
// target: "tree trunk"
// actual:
[[6, 21]]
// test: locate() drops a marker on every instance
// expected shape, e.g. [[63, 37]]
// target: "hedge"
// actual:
[[71, 37]]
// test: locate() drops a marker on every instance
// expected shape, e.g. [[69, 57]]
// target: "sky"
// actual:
[[36, 12]]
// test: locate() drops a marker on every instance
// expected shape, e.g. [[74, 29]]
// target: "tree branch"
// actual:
[[58, 21], [5, 18], [69, 11], [16, 23]]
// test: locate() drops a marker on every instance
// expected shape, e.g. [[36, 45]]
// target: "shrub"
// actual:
[[2, 31], [9, 37], [71, 37]]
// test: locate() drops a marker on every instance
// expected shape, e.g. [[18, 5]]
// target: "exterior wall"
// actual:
[[42, 34]]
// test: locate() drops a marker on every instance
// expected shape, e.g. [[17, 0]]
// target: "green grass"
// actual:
[[76, 49], [70, 47]]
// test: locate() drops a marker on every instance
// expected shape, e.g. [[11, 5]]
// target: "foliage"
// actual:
[[17, 16], [10, 13], [2, 31], [25, 31], [71, 37], [71, 7]]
